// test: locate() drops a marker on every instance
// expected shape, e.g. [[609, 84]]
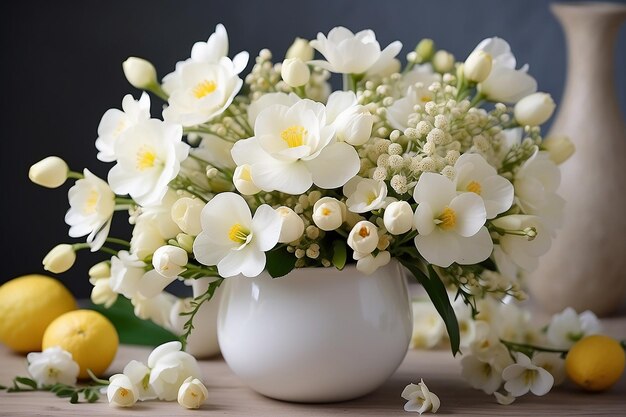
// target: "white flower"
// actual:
[[292, 225], [192, 393], [443, 61], [363, 237], [450, 226], [365, 194], [481, 374], [114, 122], [528, 241], [553, 363], [300, 48], [428, 327], [121, 392], [350, 53], [477, 66], [52, 366], [504, 399], [293, 148], [232, 239], [243, 180], [295, 72], [170, 261], [186, 214], [139, 375], [474, 174], [139, 72], [102, 293], [92, 204], [170, 368], [329, 213], [154, 226], [567, 327], [148, 158], [50, 172], [417, 94], [59, 259], [268, 100], [560, 148], [534, 109], [420, 399], [156, 309], [369, 263], [398, 217], [126, 272], [524, 376], [100, 270], [352, 122]]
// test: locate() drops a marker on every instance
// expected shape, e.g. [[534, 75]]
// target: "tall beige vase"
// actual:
[[586, 266]]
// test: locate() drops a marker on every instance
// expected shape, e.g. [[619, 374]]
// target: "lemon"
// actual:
[[28, 305], [88, 336], [595, 362]]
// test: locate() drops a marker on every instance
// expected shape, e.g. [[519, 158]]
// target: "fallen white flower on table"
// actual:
[[192, 394], [52, 366], [567, 327], [170, 368], [420, 399], [121, 392], [139, 375], [524, 376], [504, 398]]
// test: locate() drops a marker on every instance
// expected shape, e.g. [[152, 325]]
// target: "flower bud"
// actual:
[[561, 148], [100, 270], [292, 227], [398, 217], [329, 213], [478, 66], [50, 172], [170, 261], [301, 49], [443, 61], [534, 109], [425, 50], [186, 214], [121, 392], [192, 393], [185, 242], [370, 263], [355, 126], [243, 180], [363, 237], [102, 293], [59, 259], [140, 73], [295, 72]]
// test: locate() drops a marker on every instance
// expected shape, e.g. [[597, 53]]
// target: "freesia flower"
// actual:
[[52, 366], [450, 226], [553, 363], [428, 327], [368, 263], [170, 368], [126, 272], [418, 94], [477, 66], [92, 204], [329, 213], [100, 270], [243, 180], [352, 122], [234, 240], [102, 293], [156, 308], [534, 109], [192, 394], [186, 214], [50, 172], [121, 392], [398, 217], [420, 399], [524, 376], [295, 72], [560, 148], [170, 261], [268, 100], [567, 327], [139, 375], [292, 225], [350, 53], [59, 259], [443, 61], [524, 241], [481, 374], [365, 194], [363, 237]]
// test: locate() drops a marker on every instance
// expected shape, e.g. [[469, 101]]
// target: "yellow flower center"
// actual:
[[425, 99], [474, 187], [146, 158], [364, 232], [294, 136], [91, 202], [238, 233], [53, 372], [204, 88], [123, 392], [326, 211], [447, 219], [370, 198]]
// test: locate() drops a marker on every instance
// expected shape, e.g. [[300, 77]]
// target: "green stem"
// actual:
[[157, 91], [478, 98], [124, 200], [118, 241], [122, 207], [524, 346], [75, 175]]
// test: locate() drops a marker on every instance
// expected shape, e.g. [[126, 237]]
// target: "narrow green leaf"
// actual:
[[74, 398], [2, 387], [65, 392], [340, 254], [26, 381], [280, 262], [91, 395]]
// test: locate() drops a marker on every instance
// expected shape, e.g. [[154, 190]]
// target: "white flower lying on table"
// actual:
[[420, 399], [52, 366]]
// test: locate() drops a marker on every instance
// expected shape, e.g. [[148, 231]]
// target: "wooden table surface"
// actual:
[[229, 397]]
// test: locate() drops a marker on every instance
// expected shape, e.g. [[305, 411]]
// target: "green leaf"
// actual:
[[280, 262], [340, 254], [65, 392], [2, 387], [26, 381], [74, 398], [91, 395], [439, 296]]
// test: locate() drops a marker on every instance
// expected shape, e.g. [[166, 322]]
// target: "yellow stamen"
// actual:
[[326, 211], [425, 99], [146, 158], [448, 219], [370, 198], [238, 233], [204, 88], [123, 392], [364, 232], [474, 187], [91, 202], [294, 136]]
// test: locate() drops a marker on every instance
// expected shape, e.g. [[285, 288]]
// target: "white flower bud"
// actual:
[[561, 148], [398, 217], [59, 259], [186, 214], [170, 261], [370, 263], [329, 213], [295, 72], [185, 241], [443, 61], [50, 172], [100, 270], [139, 73], [102, 293], [192, 393], [121, 392], [363, 237], [477, 66], [425, 49], [243, 180], [534, 109], [354, 127], [301, 49], [292, 225]]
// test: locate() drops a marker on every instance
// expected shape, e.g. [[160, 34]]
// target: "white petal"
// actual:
[[438, 248], [249, 261], [152, 283], [436, 189], [498, 195], [470, 214], [385, 56], [207, 251], [474, 249], [240, 61], [543, 382], [291, 178], [266, 226], [424, 219], [334, 166], [162, 350]]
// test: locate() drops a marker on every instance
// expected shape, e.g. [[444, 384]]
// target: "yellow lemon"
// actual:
[[28, 305], [88, 336], [595, 362]]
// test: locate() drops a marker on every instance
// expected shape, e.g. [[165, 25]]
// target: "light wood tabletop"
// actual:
[[229, 397]]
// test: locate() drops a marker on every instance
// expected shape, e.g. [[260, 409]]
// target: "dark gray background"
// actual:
[[61, 69]]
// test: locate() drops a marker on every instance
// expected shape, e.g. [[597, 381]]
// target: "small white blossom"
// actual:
[[329, 213], [477, 66], [192, 393], [139, 72], [369, 263], [300, 48], [52, 366], [295, 72], [398, 217], [567, 327], [292, 225], [243, 180], [170, 261], [186, 214], [524, 376], [560, 148], [170, 368], [139, 375], [428, 327], [365, 194], [363, 237], [59, 259], [534, 109], [553, 363], [420, 399], [121, 392]]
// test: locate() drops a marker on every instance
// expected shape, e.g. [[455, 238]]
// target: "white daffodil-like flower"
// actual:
[[292, 225], [567, 327], [369, 263], [428, 327], [365, 194], [293, 148], [192, 393], [148, 158], [126, 272], [329, 213], [121, 392], [91, 209], [139, 375], [553, 363], [170, 368], [114, 122], [474, 174], [418, 94], [363, 238], [102, 293], [504, 83], [234, 240], [352, 122], [59, 259], [450, 226], [420, 399], [52, 366], [524, 241], [524, 376], [398, 217]]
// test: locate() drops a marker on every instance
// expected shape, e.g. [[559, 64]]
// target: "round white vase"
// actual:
[[317, 334], [202, 342]]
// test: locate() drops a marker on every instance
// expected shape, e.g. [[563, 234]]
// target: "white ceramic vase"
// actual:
[[202, 342], [317, 334]]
